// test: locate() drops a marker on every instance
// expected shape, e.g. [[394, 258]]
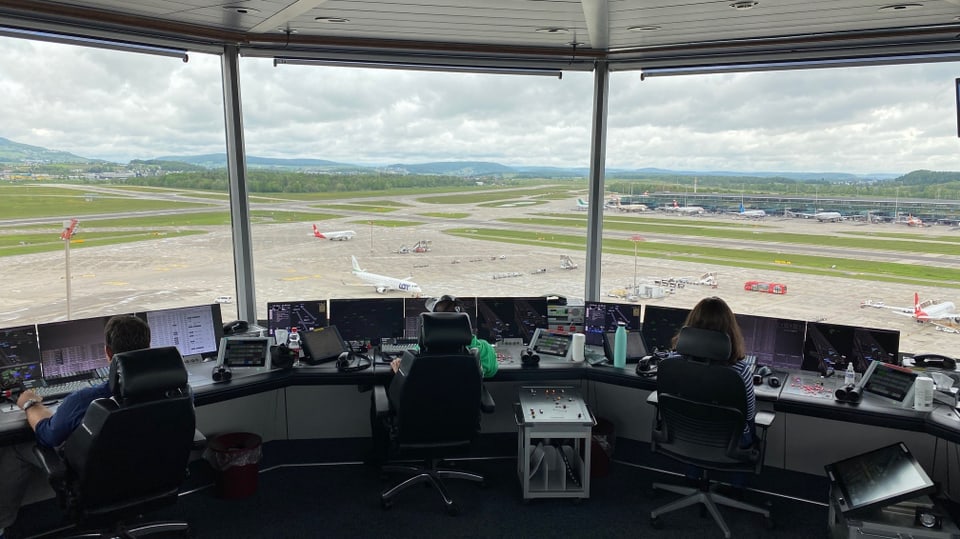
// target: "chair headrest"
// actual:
[[147, 373], [703, 344], [444, 332]]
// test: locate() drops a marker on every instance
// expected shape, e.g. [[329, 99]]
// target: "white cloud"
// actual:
[[122, 106]]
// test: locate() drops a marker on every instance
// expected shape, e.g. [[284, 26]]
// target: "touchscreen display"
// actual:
[[879, 478]]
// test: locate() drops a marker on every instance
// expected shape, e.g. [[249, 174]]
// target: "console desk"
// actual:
[[317, 402]]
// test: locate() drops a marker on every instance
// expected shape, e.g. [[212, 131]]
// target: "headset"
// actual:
[[647, 366], [432, 303], [282, 357], [221, 373], [529, 358], [765, 373], [352, 362]]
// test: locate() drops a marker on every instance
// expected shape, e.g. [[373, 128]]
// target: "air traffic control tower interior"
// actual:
[[319, 402]]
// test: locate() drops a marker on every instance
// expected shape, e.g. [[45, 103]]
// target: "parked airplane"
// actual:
[[337, 235], [384, 283], [751, 214], [929, 310], [911, 221], [689, 210], [828, 216], [582, 205], [631, 206]]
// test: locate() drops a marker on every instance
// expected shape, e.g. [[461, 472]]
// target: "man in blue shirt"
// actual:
[[17, 463]]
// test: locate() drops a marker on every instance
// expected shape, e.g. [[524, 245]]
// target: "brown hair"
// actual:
[[714, 313], [124, 333]]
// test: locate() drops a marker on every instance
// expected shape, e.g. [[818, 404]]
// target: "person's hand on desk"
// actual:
[[395, 365], [32, 405]]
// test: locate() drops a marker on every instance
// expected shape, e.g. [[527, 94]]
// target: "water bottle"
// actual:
[[850, 376], [293, 343], [620, 346]]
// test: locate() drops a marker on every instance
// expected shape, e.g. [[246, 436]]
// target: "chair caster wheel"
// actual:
[[385, 503], [656, 523], [453, 509]]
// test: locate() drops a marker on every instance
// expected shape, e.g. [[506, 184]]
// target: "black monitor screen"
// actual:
[[774, 342], [19, 345], [192, 330], [72, 347], [661, 325], [510, 318], [367, 319], [412, 307], [834, 346], [304, 315], [600, 318], [879, 478]]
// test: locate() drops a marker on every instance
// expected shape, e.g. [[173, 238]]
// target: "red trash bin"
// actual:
[[235, 459]]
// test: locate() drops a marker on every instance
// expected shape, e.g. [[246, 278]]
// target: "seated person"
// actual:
[[17, 463], [486, 355], [485, 352], [714, 314]]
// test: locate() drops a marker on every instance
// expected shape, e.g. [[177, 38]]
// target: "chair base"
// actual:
[[138, 530], [430, 475], [694, 496]]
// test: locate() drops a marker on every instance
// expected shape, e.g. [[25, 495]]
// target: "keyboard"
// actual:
[[397, 348], [58, 391]]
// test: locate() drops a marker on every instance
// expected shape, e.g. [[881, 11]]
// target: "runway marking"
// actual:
[[117, 283]]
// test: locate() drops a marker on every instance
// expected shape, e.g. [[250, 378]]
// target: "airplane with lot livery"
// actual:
[[382, 283]]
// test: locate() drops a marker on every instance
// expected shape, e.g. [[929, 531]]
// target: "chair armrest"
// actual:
[[51, 463], [487, 405], [763, 419], [381, 402], [653, 398]]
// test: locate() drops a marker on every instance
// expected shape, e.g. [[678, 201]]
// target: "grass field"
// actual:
[[21, 202]]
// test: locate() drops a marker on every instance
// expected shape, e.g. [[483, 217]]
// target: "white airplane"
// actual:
[[751, 214], [631, 207], [384, 283], [929, 310], [582, 205], [688, 210], [828, 216], [337, 235]]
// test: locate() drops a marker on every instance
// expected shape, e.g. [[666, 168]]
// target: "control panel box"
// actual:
[[553, 405], [565, 318]]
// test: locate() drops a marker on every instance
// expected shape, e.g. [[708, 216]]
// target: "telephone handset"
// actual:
[[935, 360]]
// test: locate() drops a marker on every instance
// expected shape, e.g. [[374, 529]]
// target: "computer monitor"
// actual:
[[18, 345], [194, 331], [879, 478], [510, 318], [660, 325], [20, 376], [774, 342], [834, 346], [303, 315], [413, 307], [72, 347], [368, 319], [602, 317]]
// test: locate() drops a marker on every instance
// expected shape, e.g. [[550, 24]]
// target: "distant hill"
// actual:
[[14, 152], [454, 168], [798, 176], [219, 160]]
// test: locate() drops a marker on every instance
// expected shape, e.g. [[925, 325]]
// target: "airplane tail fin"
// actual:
[[917, 311], [317, 233], [356, 265], [742, 209]]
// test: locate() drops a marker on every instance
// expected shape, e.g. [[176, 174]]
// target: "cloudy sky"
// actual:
[[123, 106]]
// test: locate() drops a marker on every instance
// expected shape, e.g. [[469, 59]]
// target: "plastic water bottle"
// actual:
[[850, 376], [293, 343], [620, 346]]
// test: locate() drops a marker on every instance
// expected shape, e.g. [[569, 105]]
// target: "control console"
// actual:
[[553, 405]]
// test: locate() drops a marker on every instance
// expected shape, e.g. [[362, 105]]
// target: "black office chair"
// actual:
[[433, 411], [131, 452], [701, 413]]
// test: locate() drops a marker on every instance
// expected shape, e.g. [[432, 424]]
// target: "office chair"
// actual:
[[701, 412], [131, 452], [433, 411]]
